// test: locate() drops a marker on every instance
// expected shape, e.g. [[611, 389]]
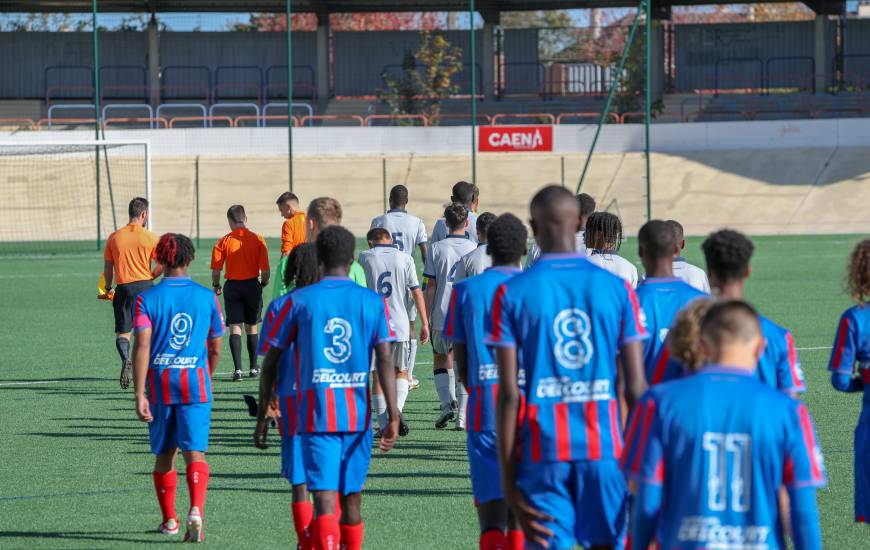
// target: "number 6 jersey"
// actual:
[[334, 326], [392, 274]]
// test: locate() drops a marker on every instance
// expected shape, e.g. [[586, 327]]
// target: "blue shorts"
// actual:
[[337, 461], [586, 499], [485, 471], [862, 472], [179, 426], [292, 466]]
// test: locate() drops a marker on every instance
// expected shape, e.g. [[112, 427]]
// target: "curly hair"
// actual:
[[684, 338], [728, 253], [506, 239], [603, 232], [335, 247], [858, 276], [174, 250], [455, 216], [302, 268]]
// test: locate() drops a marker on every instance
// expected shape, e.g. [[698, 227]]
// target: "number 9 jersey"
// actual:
[[335, 326]]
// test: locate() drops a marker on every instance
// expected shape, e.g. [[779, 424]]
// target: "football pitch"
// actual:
[[75, 467]]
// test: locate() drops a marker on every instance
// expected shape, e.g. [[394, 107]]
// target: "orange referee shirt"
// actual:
[[244, 253], [293, 232], [131, 250]]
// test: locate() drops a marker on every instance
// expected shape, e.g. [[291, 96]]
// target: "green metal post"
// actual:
[[196, 197], [384, 181], [289, 12], [96, 61], [617, 76], [646, 118], [473, 93]]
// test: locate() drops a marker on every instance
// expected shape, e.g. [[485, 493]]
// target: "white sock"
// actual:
[[452, 374], [381, 410], [442, 387], [413, 359], [401, 393], [463, 400]]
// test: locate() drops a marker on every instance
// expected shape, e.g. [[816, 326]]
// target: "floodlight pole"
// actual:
[[647, 101], [96, 62], [473, 93], [288, 13]]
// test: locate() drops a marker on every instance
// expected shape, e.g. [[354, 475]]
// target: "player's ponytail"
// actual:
[[858, 278], [174, 250], [684, 338]]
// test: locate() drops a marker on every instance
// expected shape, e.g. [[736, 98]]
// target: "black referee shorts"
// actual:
[[243, 301], [125, 301]]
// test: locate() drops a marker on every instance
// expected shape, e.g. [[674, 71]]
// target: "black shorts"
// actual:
[[125, 301], [243, 301]]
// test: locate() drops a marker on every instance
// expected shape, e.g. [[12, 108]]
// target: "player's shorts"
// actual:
[[586, 499], [862, 471], [337, 461], [401, 355], [243, 301], [125, 301], [485, 470], [292, 467], [440, 344], [179, 426]]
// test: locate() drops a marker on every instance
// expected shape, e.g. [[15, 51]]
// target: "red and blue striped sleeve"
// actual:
[[803, 463], [789, 375], [633, 326], [454, 330], [281, 333], [141, 319], [384, 331], [268, 322], [216, 330], [643, 458], [845, 346], [499, 329]]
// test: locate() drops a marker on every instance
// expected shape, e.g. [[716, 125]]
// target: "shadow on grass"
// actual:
[[111, 536]]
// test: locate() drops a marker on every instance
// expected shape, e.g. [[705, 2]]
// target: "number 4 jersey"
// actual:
[[721, 443], [441, 265], [392, 274], [334, 326]]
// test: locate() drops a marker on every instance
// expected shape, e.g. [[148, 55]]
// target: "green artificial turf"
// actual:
[[75, 467]]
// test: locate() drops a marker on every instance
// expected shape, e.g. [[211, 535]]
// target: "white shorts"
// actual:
[[440, 344], [412, 309], [401, 355]]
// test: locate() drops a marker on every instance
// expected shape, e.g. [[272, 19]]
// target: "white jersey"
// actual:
[[393, 275], [440, 232], [441, 265], [474, 263], [616, 264], [690, 274], [407, 231], [535, 250]]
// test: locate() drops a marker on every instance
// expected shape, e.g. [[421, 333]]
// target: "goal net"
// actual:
[[56, 199]]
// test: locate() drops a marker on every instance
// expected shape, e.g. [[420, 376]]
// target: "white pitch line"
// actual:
[[814, 348], [32, 382]]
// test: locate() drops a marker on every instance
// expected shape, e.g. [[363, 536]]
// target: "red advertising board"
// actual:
[[514, 139]]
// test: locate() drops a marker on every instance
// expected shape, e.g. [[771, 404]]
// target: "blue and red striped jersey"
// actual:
[[851, 346], [285, 379], [181, 315], [470, 306], [334, 326], [568, 319], [779, 366], [721, 444], [660, 300]]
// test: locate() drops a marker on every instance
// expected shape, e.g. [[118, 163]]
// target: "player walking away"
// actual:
[[564, 321], [478, 260], [392, 274], [127, 259], [439, 271], [689, 273], [335, 326], [292, 235], [247, 272], [728, 253], [745, 439], [587, 208], [408, 232], [177, 349], [852, 346], [278, 381], [661, 296], [470, 306], [324, 212], [466, 194], [603, 239]]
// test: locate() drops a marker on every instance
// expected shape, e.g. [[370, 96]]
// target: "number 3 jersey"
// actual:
[[721, 443], [392, 274], [567, 318], [333, 327], [181, 315]]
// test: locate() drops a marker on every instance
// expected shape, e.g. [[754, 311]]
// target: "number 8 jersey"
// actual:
[[334, 326]]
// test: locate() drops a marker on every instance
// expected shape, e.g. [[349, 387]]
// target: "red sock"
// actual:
[[352, 536], [326, 533], [516, 540], [197, 483], [337, 506], [493, 540], [164, 485], [303, 513]]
